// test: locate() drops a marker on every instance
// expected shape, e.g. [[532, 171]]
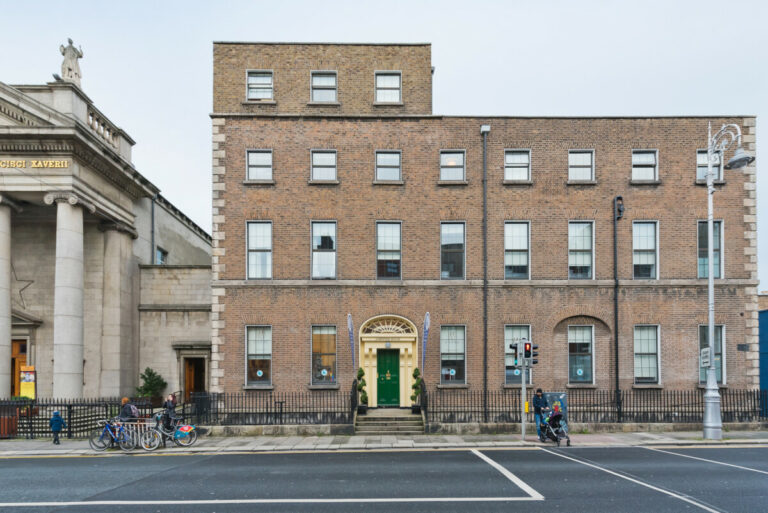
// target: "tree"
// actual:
[[153, 384]]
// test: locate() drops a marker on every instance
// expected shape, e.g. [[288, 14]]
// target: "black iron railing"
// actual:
[[272, 408], [30, 418], [599, 406]]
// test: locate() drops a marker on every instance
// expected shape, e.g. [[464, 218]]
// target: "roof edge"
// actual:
[[442, 116], [332, 43]]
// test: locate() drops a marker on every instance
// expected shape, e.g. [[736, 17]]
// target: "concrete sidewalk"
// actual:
[[213, 444]]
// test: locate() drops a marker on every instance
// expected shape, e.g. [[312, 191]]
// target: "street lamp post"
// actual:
[[716, 144]]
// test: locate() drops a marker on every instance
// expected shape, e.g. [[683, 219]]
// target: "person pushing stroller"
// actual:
[[539, 402]]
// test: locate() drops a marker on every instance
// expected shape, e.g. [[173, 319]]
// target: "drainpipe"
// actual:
[[484, 130], [618, 213], [152, 232]]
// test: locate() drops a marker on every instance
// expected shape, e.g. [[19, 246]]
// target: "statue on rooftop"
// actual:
[[70, 68]]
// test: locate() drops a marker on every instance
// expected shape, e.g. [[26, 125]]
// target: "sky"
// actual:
[[148, 65]]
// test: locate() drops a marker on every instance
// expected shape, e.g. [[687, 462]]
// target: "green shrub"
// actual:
[[361, 386], [416, 384], [153, 384]]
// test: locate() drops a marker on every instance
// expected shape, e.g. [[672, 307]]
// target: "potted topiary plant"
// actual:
[[362, 406], [153, 386], [416, 408]]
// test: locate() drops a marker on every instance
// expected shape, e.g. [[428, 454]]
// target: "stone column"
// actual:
[[6, 206], [68, 295], [116, 333]]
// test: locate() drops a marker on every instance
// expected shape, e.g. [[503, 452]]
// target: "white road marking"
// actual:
[[636, 481], [708, 461], [259, 501], [509, 475]]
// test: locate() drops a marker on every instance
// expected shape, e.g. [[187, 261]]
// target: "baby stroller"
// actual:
[[554, 427]]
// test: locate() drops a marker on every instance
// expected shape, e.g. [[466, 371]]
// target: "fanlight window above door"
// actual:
[[388, 325]]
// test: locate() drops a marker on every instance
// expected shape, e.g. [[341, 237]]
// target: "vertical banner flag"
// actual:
[[424, 344], [351, 342]]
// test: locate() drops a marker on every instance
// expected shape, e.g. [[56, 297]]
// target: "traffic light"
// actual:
[[534, 354], [527, 349], [515, 354]]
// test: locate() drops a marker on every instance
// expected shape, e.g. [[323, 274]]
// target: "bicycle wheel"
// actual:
[[188, 440], [126, 441], [150, 440], [99, 440]]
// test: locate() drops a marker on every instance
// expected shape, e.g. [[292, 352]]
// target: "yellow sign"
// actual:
[[5, 164], [526, 406], [27, 384]]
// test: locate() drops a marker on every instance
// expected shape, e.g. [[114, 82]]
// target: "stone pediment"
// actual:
[[20, 318]]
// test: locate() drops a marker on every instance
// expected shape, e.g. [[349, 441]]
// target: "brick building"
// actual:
[[336, 191]]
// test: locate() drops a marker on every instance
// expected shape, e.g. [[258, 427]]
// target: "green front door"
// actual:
[[388, 369]]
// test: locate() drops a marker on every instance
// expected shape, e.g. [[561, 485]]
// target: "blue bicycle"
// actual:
[[111, 432]]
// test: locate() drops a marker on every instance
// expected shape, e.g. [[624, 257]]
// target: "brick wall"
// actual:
[[292, 64], [291, 303]]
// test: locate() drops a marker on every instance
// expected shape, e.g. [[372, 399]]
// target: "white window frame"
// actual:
[[592, 353], [440, 248], [658, 353], [440, 341], [592, 167], [335, 382], [312, 250], [463, 166], [517, 150], [376, 253], [271, 357], [656, 252], [719, 166], [248, 98], [724, 381], [722, 247], [312, 165], [248, 250], [248, 164], [655, 166], [376, 74], [335, 88], [506, 349], [568, 234], [376, 166], [504, 263]]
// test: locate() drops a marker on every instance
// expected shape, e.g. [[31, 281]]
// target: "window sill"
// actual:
[[516, 387], [388, 182], [258, 182], [517, 182], [581, 182], [716, 182], [648, 386], [452, 182], [323, 104], [323, 182], [260, 102], [324, 387], [456, 386], [388, 104], [258, 387], [581, 385], [703, 386], [645, 182]]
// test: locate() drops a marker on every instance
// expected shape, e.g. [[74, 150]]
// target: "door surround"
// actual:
[[389, 332]]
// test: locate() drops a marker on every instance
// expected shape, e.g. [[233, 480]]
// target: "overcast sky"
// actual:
[[147, 65]]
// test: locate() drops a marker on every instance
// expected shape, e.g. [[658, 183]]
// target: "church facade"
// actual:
[[100, 275], [344, 210]]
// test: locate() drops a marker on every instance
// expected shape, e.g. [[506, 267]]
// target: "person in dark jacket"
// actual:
[[169, 414], [539, 402], [128, 411], [57, 424]]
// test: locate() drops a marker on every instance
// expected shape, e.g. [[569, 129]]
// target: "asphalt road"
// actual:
[[610, 480]]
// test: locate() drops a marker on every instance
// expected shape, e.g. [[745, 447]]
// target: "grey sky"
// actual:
[[147, 65]]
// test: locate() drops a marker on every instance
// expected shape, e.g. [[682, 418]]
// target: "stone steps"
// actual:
[[389, 423]]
